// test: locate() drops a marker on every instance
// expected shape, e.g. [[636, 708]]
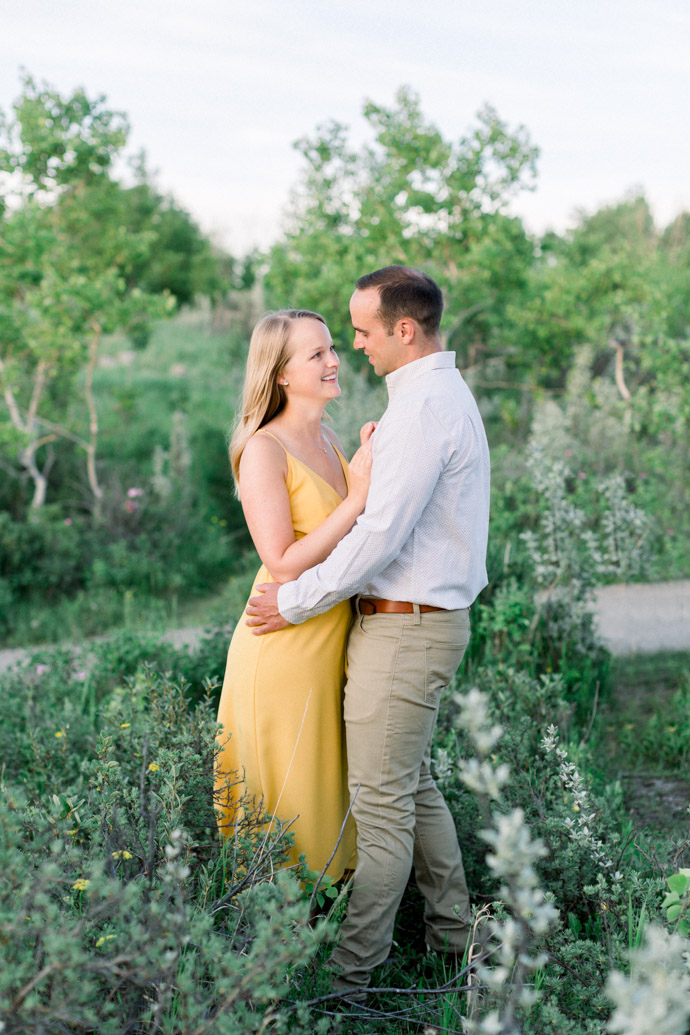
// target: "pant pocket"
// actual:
[[441, 664]]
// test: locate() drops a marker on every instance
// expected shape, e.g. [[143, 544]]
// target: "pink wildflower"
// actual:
[[42, 669], [135, 493], [68, 521]]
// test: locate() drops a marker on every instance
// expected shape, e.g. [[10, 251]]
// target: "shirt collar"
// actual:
[[403, 376]]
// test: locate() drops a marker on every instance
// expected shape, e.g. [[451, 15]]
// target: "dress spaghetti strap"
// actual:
[[262, 431]]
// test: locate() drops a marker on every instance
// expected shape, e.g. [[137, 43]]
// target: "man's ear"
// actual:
[[406, 330]]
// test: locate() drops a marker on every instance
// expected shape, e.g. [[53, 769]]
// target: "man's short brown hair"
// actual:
[[404, 291]]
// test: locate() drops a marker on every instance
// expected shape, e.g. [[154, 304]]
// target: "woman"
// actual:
[[282, 696]]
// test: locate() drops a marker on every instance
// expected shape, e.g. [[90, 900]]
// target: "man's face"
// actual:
[[385, 351]]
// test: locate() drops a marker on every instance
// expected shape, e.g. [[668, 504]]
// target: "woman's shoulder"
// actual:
[[266, 449]]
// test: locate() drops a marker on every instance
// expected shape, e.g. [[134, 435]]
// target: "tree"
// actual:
[[596, 285], [65, 257], [411, 197], [180, 259]]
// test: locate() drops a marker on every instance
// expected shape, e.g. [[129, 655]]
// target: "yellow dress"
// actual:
[[282, 704]]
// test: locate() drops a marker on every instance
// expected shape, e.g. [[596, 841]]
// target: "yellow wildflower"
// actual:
[[121, 855], [576, 808], [124, 725], [629, 726], [81, 884], [73, 832], [59, 733], [153, 767], [671, 729], [103, 939]]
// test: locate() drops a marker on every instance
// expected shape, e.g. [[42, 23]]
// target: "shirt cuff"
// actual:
[[286, 604]]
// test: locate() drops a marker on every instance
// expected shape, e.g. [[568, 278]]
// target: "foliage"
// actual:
[[655, 996], [180, 259], [63, 279], [677, 901], [414, 198], [122, 908]]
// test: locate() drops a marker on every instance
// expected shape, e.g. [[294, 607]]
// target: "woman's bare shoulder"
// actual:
[[264, 450]]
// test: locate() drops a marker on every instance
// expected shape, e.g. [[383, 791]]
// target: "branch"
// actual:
[[63, 432], [13, 471], [620, 380], [12, 406], [93, 422], [39, 385]]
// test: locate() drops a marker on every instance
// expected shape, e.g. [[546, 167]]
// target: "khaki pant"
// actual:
[[397, 667]]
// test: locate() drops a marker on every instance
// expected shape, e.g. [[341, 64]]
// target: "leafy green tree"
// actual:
[[65, 257], [596, 285], [179, 258], [410, 197]]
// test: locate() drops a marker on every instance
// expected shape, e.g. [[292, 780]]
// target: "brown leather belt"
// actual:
[[375, 606]]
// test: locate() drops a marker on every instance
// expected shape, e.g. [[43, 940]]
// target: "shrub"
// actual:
[[121, 910]]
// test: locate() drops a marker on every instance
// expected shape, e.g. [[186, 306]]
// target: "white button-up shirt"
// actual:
[[422, 536]]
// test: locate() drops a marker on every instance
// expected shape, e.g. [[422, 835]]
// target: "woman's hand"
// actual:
[[360, 468], [367, 430]]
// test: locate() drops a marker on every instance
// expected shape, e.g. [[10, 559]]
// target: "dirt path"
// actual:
[[644, 618], [632, 619]]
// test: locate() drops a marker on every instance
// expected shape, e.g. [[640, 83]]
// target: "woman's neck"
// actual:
[[302, 423]]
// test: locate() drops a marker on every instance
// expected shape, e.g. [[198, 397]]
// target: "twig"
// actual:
[[594, 711], [335, 849]]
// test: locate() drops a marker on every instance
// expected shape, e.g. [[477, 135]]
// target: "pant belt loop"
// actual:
[[355, 602], [417, 615]]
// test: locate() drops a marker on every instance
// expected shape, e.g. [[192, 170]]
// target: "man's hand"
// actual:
[[266, 617]]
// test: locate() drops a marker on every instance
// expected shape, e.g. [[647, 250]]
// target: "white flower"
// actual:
[[655, 998]]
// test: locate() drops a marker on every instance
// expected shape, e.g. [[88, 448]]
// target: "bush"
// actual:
[[122, 910]]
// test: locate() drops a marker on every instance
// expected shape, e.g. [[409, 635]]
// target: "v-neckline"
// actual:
[[311, 469], [320, 476]]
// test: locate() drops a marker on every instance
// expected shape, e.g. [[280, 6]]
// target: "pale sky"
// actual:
[[217, 90]]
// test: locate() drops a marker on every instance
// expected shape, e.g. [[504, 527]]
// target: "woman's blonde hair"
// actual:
[[262, 396]]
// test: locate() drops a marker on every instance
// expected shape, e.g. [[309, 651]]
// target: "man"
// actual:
[[415, 561]]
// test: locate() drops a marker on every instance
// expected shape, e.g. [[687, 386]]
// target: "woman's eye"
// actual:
[[316, 355]]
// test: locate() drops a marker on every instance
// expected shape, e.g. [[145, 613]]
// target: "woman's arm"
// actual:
[[266, 505]]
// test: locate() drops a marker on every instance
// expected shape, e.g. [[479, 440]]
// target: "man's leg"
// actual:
[[395, 669], [439, 872]]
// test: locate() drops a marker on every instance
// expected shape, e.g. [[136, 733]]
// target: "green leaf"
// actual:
[[678, 882], [673, 912]]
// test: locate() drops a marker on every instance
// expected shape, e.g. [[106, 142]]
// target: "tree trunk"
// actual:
[[620, 380], [28, 426], [39, 478], [93, 427]]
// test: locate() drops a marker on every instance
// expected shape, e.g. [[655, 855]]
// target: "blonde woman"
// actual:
[[282, 694]]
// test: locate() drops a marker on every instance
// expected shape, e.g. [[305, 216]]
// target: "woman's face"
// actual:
[[312, 370]]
